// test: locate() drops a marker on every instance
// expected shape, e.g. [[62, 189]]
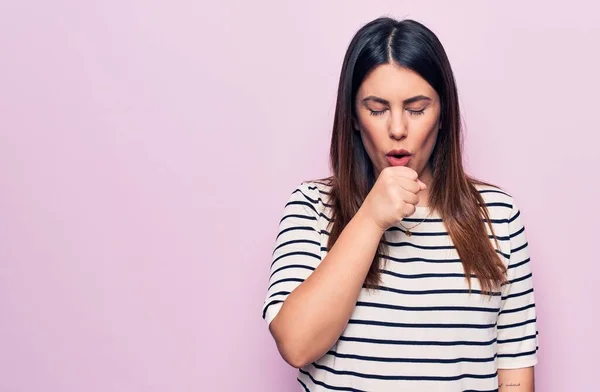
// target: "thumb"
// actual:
[[422, 185]]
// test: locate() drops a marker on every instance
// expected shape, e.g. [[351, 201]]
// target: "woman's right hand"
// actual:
[[393, 196]]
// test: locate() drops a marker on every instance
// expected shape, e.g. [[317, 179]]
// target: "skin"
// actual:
[[397, 109], [516, 380]]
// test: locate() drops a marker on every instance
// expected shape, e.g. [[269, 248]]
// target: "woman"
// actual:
[[400, 272]]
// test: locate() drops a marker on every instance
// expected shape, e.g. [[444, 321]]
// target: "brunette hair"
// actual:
[[452, 193]]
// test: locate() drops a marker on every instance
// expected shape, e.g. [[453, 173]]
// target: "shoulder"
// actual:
[[312, 197], [314, 194], [499, 202]]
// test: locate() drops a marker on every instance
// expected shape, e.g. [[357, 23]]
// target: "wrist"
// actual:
[[366, 222]]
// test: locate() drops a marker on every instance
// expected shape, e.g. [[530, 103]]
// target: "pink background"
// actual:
[[147, 149]]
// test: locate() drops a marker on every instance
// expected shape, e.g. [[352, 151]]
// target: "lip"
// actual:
[[398, 152], [395, 161], [398, 157]]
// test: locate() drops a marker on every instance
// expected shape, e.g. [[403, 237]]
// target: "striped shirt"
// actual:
[[422, 330]]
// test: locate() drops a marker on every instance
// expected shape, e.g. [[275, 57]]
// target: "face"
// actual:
[[397, 109]]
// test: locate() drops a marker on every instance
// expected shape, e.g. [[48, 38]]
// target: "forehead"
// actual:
[[391, 82]]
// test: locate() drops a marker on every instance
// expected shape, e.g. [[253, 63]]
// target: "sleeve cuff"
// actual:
[[272, 312], [517, 363]]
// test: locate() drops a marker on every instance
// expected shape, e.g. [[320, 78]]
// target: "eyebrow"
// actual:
[[405, 102]]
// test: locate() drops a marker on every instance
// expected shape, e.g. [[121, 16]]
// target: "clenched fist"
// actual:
[[393, 196]]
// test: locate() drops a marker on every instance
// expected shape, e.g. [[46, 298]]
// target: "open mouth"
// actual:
[[398, 157]]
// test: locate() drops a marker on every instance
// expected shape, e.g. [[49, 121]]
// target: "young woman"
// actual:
[[400, 272]]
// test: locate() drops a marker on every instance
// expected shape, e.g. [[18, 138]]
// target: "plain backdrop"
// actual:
[[147, 150]]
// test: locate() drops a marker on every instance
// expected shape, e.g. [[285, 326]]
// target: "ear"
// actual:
[[355, 126]]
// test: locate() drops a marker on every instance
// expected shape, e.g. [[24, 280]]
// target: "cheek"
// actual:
[[429, 143], [430, 133], [367, 140], [368, 133], [373, 130]]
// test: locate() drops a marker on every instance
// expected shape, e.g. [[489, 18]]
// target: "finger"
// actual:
[[409, 185], [410, 197], [408, 209], [404, 171]]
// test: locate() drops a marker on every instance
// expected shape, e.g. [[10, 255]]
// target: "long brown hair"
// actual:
[[452, 193]]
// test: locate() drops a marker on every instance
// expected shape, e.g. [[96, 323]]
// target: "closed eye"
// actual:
[[412, 112], [416, 112], [377, 112]]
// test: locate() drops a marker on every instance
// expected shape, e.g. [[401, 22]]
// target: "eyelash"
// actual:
[[412, 112]]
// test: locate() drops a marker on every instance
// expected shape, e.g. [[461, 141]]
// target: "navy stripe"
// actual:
[[326, 217], [517, 324], [516, 280], [426, 220], [425, 234], [517, 309], [308, 228], [517, 232], [499, 204], [268, 305], [397, 377], [301, 203], [303, 385], [416, 325], [297, 216], [302, 241], [517, 355], [279, 293], [497, 221], [422, 276], [494, 191], [435, 234], [439, 220], [416, 343], [299, 253], [481, 390], [319, 200], [409, 360], [519, 248], [518, 264], [518, 294], [437, 291], [416, 259], [312, 188], [505, 341], [514, 217], [433, 247], [291, 266], [431, 234], [285, 280], [426, 308]]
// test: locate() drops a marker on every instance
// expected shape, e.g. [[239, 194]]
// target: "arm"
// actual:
[[315, 314], [516, 380], [309, 300]]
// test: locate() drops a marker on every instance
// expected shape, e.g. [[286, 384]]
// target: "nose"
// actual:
[[397, 127]]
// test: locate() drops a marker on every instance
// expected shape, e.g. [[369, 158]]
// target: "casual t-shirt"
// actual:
[[422, 330]]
